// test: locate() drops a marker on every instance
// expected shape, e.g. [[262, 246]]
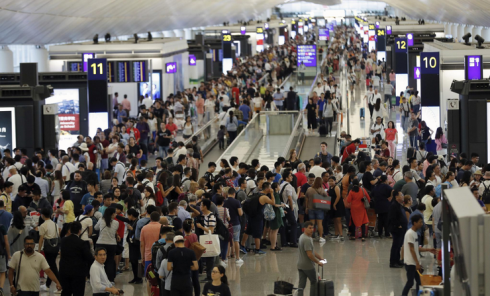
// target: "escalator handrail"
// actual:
[[287, 147]]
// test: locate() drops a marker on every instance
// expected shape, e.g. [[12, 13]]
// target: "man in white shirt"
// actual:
[[226, 99], [318, 89], [98, 278], [147, 102], [411, 254], [257, 102], [397, 174], [119, 170], [67, 168], [17, 179], [369, 96], [317, 170], [377, 127]]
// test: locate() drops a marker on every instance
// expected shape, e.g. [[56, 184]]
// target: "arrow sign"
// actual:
[[192, 60], [416, 73]]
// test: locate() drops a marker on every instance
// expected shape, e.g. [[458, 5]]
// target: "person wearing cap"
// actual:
[[181, 261], [477, 179]]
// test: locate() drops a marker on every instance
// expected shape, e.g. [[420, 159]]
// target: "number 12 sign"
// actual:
[[97, 69], [429, 63]]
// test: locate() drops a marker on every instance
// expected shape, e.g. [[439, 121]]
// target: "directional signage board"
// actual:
[[192, 60], [416, 73], [307, 55]]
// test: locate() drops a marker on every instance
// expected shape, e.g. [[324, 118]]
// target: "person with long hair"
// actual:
[[293, 156], [378, 109], [107, 228], [149, 196], [359, 216], [277, 222], [466, 179], [17, 232], [337, 209], [57, 184], [188, 129], [311, 111], [231, 127], [391, 136], [441, 141], [425, 132], [316, 216], [219, 284]]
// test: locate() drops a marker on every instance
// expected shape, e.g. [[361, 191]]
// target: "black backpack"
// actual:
[[250, 205], [221, 230], [154, 251], [486, 194]]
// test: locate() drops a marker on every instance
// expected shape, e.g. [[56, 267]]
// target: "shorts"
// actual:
[[147, 263], [316, 214], [255, 226], [236, 232], [3, 264], [301, 206]]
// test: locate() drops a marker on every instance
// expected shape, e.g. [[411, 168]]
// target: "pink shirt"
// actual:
[[149, 235], [200, 106], [439, 141], [392, 76], [126, 104]]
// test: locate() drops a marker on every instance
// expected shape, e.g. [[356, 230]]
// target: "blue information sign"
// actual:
[[429, 63], [97, 69], [401, 45]]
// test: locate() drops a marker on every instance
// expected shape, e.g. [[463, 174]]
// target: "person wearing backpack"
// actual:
[[149, 234], [484, 189], [48, 232]]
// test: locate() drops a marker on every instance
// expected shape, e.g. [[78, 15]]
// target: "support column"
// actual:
[[485, 33], [448, 28], [468, 29], [40, 56], [454, 31], [6, 59], [168, 34], [460, 31], [179, 33], [188, 34], [476, 31]]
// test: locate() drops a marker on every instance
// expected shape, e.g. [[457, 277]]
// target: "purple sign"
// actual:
[[323, 34], [192, 60], [243, 30], [473, 67], [410, 39], [307, 55], [388, 30], [416, 73], [85, 58], [266, 26], [171, 67], [377, 25]]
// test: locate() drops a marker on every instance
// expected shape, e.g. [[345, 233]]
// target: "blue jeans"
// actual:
[[224, 249], [104, 164], [413, 141], [161, 150]]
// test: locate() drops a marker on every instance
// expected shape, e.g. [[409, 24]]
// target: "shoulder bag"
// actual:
[[16, 280], [52, 245], [365, 200]]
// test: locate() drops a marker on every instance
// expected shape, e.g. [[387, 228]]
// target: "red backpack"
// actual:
[[159, 196]]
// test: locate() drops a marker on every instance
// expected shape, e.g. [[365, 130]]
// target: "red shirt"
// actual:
[[348, 151], [136, 133], [235, 93], [105, 144], [189, 240], [120, 230], [171, 127], [92, 154], [386, 153], [390, 134], [301, 179]]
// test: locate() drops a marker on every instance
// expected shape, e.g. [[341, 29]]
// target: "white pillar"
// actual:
[[468, 29], [168, 34], [476, 31], [6, 59], [448, 28], [40, 56], [179, 33], [485, 33], [454, 31], [460, 31], [188, 34]]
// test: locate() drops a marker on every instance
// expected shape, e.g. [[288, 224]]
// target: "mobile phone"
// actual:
[[324, 261]]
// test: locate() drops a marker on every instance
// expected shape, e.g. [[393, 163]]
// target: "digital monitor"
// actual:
[[67, 100], [307, 55], [96, 120], [7, 129], [123, 71], [156, 85], [473, 67], [280, 40], [431, 117], [416, 73], [110, 71], [85, 57], [323, 34], [171, 67], [321, 22], [410, 39], [140, 71], [227, 65], [75, 66], [388, 30], [192, 60]]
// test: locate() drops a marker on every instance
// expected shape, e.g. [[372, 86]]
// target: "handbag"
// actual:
[[444, 145], [283, 288], [52, 245], [321, 202], [211, 243], [364, 200], [269, 213]]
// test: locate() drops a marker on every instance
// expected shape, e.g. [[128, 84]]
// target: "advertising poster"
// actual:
[[307, 55], [68, 114], [179, 73], [144, 87], [7, 129]]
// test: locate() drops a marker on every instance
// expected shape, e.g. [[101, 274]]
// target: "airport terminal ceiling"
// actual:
[[55, 21]]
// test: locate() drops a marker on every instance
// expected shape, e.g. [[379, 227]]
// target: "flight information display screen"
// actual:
[[307, 55], [140, 71], [123, 71]]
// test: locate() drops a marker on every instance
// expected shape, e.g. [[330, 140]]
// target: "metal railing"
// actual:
[[295, 134]]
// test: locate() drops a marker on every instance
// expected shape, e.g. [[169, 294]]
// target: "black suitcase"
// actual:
[[325, 287], [322, 130], [410, 153]]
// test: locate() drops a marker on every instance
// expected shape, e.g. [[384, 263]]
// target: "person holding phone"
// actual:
[[307, 259]]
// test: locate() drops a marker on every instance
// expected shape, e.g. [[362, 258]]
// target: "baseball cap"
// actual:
[[178, 238]]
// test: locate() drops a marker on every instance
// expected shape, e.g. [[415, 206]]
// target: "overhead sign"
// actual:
[[429, 63], [380, 32], [243, 30], [377, 25], [85, 58], [259, 30], [401, 45], [226, 38], [7, 129], [416, 73], [388, 30], [97, 69], [192, 60], [266, 26], [323, 34], [473, 67], [372, 27], [410, 39], [307, 55], [171, 67]]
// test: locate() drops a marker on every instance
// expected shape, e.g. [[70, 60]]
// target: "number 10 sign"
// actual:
[[429, 63]]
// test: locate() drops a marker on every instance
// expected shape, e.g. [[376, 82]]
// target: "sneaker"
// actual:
[[321, 240], [57, 292], [223, 263], [43, 288], [243, 249], [342, 238], [258, 252], [239, 261], [335, 237]]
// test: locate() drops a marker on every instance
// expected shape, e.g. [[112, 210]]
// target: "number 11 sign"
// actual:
[[97, 69]]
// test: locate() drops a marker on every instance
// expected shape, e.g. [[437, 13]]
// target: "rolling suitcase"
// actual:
[[325, 287], [322, 130], [362, 113], [410, 152]]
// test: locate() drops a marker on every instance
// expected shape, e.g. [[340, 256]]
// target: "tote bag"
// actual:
[[321, 202], [211, 243]]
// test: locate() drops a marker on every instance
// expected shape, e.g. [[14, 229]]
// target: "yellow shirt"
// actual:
[[7, 202], [68, 206]]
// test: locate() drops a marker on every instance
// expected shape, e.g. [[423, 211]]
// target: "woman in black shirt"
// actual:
[[219, 285], [135, 148], [312, 113]]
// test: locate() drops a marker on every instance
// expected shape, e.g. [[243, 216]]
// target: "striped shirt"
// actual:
[[209, 220]]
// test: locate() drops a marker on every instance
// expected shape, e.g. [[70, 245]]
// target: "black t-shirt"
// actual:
[[221, 290], [164, 141], [135, 149], [181, 258], [366, 180], [158, 113]]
